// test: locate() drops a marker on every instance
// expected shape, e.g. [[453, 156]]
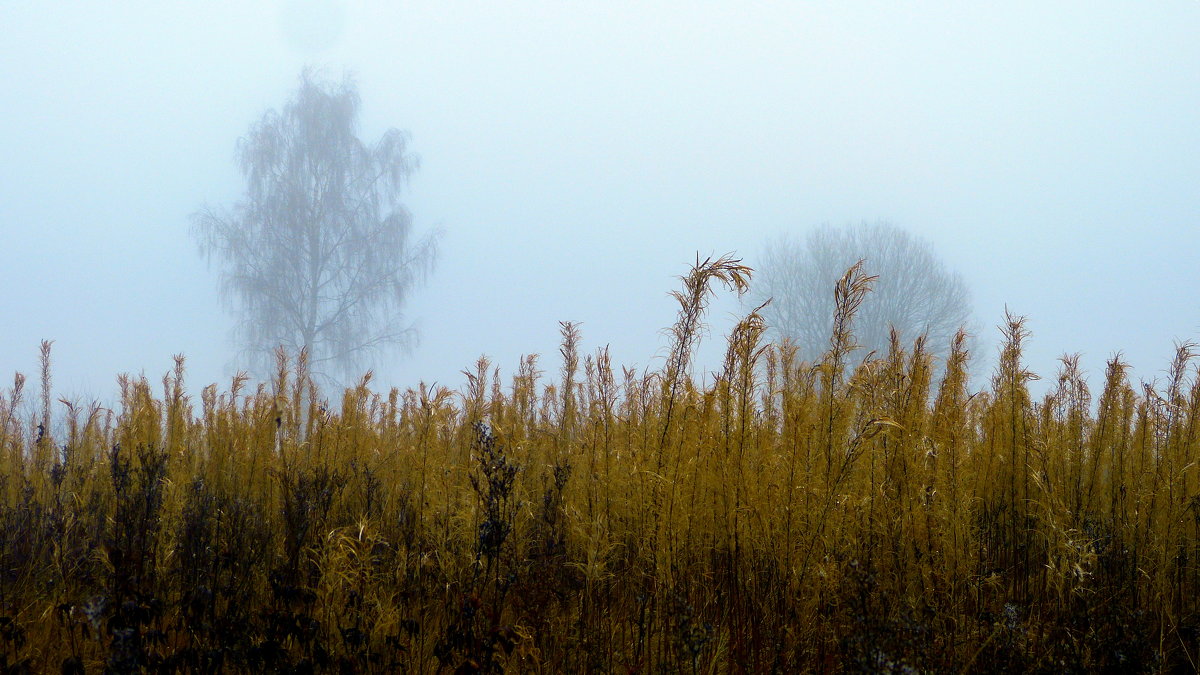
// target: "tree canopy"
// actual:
[[915, 292]]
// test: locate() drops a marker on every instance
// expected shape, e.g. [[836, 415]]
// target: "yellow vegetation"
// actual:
[[784, 516]]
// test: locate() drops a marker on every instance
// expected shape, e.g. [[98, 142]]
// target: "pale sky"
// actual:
[[579, 154]]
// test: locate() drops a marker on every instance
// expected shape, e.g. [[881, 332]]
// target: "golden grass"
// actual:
[[786, 516]]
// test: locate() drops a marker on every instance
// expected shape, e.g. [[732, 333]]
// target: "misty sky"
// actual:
[[579, 154]]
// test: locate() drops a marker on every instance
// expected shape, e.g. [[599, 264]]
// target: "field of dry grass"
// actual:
[[782, 517]]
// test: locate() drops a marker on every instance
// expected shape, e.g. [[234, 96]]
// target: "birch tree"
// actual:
[[319, 253]]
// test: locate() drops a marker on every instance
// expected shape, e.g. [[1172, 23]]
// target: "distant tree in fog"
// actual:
[[319, 253], [914, 292]]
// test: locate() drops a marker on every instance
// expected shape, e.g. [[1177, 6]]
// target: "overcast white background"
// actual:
[[579, 154]]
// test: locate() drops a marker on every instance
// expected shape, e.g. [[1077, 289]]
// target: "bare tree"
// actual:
[[318, 255], [914, 292]]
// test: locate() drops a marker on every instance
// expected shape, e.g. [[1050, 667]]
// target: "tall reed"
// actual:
[[782, 516]]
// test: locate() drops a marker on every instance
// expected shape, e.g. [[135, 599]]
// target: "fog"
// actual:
[[579, 155]]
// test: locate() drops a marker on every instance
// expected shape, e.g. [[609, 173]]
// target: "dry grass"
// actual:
[[788, 516]]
